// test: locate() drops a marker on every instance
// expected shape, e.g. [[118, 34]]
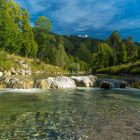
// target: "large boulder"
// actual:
[[26, 84], [111, 83], [85, 81], [19, 83], [42, 84], [12, 82], [61, 82], [123, 84]]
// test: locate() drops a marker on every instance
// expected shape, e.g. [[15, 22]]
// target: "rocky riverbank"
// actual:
[[14, 65], [23, 68], [65, 82], [59, 82]]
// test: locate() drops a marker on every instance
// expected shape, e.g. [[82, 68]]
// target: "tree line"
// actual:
[[69, 52]]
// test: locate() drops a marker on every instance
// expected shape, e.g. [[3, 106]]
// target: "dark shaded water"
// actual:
[[80, 114]]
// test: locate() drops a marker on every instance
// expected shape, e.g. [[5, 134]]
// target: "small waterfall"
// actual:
[[112, 83]]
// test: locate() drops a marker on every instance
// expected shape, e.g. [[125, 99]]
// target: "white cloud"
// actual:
[[70, 16], [131, 23], [93, 15]]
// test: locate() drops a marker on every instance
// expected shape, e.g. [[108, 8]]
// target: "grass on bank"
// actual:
[[130, 68], [7, 61]]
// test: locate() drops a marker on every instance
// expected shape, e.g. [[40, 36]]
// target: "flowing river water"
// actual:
[[74, 114]]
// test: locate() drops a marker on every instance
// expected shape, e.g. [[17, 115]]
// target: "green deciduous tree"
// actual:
[[29, 46], [9, 31], [43, 24], [103, 58]]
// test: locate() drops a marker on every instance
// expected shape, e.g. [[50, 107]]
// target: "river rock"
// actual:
[[123, 84], [25, 66], [8, 73], [133, 82], [26, 84], [22, 72], [13, 71], [2, 83], [84, 81], [61, 82], [28, 72], [1, 74], [12, 82], [106, 85], [21, 62], [42, 84], [20, 83]]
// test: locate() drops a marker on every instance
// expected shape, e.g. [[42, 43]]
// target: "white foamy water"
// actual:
[[34, 90]]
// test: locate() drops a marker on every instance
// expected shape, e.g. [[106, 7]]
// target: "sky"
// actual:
[[95, 18]]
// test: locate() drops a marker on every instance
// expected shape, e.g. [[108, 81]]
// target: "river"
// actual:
[[74, 114]]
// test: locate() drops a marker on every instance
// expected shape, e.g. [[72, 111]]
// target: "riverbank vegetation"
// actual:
[[12, 61], [71, 53], [129, 68]]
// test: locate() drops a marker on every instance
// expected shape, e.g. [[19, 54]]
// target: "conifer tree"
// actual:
[[123, 54], [41, 30], [115, 42], [61, 58]]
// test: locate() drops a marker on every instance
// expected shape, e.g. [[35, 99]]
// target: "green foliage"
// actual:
[[76, 65], [29, 47], [41, 29], [43, 24], [9, 32], [115, 42], [103, 57], [85, 54], [5, 62], [123, 54], [60, 58], [135, 71], [130, 47], [16, 35], [130, 68]]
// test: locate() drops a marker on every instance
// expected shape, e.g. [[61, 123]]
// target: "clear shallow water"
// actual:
[[80, 114]]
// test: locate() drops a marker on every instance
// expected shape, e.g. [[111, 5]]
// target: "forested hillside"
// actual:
[[72, 53]]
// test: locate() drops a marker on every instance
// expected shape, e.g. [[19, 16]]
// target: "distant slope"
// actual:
[[73, 44], [130, 68]]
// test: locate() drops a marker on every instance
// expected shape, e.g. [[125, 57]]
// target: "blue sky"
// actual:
[[96, 18]]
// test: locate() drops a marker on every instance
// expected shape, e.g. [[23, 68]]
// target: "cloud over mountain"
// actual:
[[94, 17]]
